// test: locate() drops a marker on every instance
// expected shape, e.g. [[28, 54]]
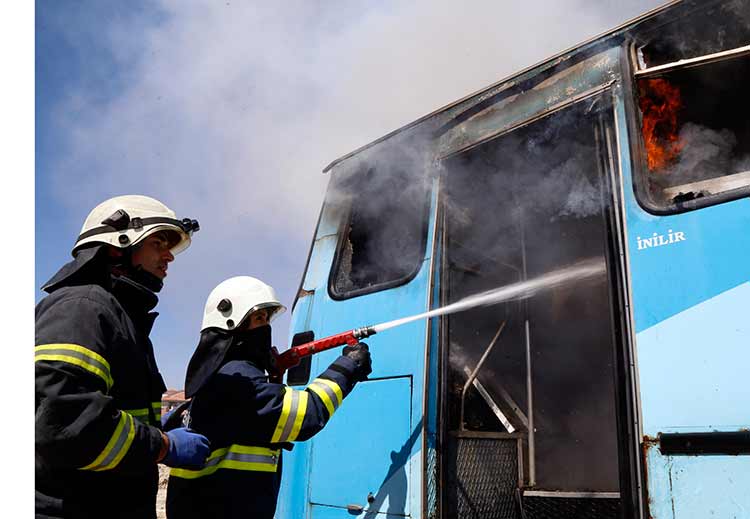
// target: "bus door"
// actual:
[[531, 387]]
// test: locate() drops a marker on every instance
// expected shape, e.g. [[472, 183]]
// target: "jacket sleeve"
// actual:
[[285, 414], [77, 424]]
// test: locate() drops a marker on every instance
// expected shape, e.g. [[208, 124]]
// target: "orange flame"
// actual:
[[660, 102]]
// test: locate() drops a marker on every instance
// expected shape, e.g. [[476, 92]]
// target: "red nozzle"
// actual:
[[292, 356]]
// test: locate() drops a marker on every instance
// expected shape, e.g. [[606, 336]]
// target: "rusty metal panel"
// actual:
[[570, 83]]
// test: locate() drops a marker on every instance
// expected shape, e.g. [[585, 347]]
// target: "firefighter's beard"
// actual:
[[255, 345]]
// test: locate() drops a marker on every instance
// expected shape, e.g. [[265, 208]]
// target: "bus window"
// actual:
[[384, 231], [693, 105], [542, 419]]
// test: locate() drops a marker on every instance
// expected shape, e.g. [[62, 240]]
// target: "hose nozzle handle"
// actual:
[[363, 332]]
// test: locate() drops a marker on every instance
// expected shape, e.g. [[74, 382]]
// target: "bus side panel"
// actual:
[[353, 456], [690, 295]]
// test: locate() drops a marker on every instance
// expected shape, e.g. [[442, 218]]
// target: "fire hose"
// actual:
[[295, 354]]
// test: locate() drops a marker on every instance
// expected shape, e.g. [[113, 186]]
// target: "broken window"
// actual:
[[691, 86], [530, 385], [384, 232]]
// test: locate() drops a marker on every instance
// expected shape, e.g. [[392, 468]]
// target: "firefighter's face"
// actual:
[[154, 254], [257, 319]]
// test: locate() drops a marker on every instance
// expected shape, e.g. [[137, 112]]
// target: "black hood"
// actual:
[[217, 347], [90, 266]]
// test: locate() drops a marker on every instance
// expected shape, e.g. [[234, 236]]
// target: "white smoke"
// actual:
[[228, 111], [705, 153]]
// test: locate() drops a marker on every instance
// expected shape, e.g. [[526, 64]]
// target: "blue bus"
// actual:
[[622, 396]]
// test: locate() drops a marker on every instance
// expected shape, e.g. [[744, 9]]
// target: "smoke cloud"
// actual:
[[706, 153], [228, 111]]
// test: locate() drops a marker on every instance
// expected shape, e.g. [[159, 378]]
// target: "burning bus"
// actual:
[[619, 396]]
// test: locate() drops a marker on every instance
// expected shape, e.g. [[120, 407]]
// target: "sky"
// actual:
[[228, 111]]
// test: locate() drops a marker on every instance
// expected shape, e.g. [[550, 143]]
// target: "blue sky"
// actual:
[[228, 111]]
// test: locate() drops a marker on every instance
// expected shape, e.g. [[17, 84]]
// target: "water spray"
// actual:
[[578, 272]]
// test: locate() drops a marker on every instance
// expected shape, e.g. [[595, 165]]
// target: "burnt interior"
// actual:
[[383, 240], [518, 207], [713, 130], [700, 28]]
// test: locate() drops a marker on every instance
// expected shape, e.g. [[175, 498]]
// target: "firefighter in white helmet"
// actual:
[[98, 389], [248, 418]]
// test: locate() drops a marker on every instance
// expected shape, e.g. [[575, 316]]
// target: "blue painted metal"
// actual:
[[324, 471], [354, 443], [706, 352], [690, 301]]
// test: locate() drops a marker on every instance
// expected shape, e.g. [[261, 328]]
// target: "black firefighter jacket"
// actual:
[[98, 402], [247, 419]]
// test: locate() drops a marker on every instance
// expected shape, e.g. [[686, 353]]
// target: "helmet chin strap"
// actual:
[[123, 266]]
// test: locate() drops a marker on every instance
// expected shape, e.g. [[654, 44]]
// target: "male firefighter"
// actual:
[[98, 390], [247, 418]]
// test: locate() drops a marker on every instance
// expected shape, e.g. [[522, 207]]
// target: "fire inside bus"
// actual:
[[617, 396]]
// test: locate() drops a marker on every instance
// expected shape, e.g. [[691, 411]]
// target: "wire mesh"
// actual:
[[483, 477], [570, 508]]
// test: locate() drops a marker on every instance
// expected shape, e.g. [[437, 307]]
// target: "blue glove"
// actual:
[[187, 449], [165, 417]]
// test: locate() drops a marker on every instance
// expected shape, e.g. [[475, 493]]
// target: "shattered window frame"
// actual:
[[344, 229], [679, 201]]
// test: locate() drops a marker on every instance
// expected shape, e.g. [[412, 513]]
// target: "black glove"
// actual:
[[360, 354]]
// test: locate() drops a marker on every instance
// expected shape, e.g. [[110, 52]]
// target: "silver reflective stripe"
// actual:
[[115, 450], [78, 355], [291, 417], [234, 457], [250, 458], [328, 391], [118, 444]]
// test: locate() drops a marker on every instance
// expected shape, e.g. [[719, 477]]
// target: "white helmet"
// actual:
[[234, 299], [123, 221]]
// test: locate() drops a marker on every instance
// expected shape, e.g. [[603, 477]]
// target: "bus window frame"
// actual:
[[403, 280], [631, 73]]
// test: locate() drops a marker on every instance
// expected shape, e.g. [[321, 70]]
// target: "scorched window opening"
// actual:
[[695, 130], [384, 230]]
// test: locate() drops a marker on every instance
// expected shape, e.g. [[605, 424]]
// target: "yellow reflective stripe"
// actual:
[[139, 414], [301, 410], [142, 414], [76, 355], [237, 457], [323, 397], [74, 347], [116, 447], [336, 389], [124, 449], [157, 409], [285, 409]]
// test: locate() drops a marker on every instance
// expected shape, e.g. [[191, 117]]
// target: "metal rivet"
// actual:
[[230, 323], [123, 239], [224, 305]]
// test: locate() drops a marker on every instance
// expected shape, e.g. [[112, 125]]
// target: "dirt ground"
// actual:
[[161, 497]]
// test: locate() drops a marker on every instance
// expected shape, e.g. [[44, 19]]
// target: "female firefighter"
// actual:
[[247, 418]]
